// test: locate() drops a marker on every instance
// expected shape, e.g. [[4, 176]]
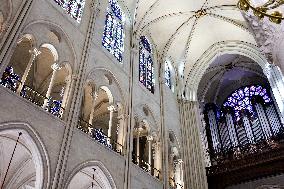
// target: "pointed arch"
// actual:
[[36, 154], [104, 176]]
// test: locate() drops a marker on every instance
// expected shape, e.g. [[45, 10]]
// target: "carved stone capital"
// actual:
[[55, 67], [149, 138], [34, 52], [111, 108]]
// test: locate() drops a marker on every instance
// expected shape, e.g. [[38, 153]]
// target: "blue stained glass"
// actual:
[[116, 9], [231, 104], [99, 136], [235, 95], [241, 94], [246, 100], [73, 7], [146, 44], [241, 98], [246, 91], [168, 75], [262, 93], [146, 69], [240, 103], [113, 37], [54, 107], [10, 79]]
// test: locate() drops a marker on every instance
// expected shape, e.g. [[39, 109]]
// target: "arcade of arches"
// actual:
[[149, 94]]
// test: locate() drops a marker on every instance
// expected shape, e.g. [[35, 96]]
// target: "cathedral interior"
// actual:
[[141, 94]]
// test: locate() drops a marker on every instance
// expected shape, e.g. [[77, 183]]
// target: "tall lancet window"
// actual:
[[241, 98], [113, 37], [73, 7], [146, 69], [168, 75]]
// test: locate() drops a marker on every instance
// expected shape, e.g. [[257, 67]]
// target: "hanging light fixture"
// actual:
[[268, 9]]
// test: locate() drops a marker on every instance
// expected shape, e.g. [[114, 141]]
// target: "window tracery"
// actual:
[[113, 36], [73, 7], [241, 98], [146, 68]]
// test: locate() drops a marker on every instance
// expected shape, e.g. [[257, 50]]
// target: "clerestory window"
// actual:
[[146, 68], [73, 7], [113, 36]]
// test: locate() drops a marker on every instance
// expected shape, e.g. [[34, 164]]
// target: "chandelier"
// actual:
[[268, 9]]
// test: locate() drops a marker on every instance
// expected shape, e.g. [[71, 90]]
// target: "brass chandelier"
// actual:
[[265, 10]]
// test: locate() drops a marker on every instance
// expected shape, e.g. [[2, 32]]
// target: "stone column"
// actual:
[[171, 168], [120, 134], [157, 158], [55, 67], [149, 139], [66, 91], [65, 94], [111, 110], [34, 53], [95, 96], [69, 92], [139, 129], [194, 167], [178, 174]]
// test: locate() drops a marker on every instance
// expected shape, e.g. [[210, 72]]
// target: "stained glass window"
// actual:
[[168, 75], [73, 7], [113, 37], [241, 98], [146, 69], [10, 79]]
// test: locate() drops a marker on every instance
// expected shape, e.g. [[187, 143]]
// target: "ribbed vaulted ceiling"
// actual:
[[182, 30]]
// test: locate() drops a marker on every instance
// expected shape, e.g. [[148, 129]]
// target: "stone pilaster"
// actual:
[[194, 167]]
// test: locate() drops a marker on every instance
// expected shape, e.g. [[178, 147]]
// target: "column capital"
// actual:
[[95, 95], [34, 51], [156, 144], [138, 129], [55, 67], [149, 138], [111, 108]]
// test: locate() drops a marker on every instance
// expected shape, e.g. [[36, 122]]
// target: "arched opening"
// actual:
[[146, 150], [91, 177], [99, 117], [241, 118], [25, 169], [36, 75]]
